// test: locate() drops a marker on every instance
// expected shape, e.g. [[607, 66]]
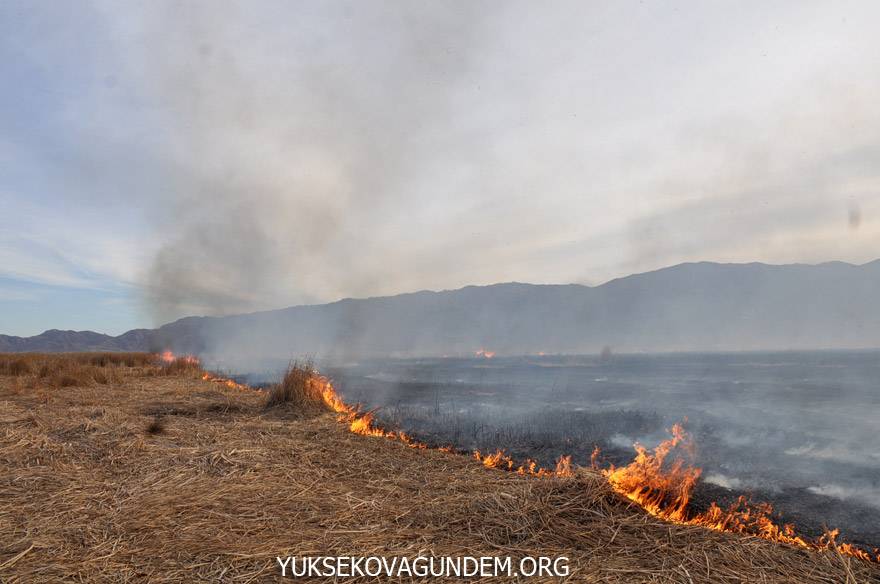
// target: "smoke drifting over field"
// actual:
[[792, 429], [212, 158], [296, 151], [342, 150]]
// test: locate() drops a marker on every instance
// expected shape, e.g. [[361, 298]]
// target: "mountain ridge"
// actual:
[[689, 306]]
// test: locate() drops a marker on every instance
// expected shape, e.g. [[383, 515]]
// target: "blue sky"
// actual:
[[162, 159]]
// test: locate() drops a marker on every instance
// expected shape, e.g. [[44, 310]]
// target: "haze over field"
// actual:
[[163, 159]]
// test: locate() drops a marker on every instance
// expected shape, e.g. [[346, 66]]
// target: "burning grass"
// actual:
[[300, 388], [662, 482], [86, 494]]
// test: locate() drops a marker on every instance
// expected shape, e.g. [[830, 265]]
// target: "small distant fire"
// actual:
[[170, 357], [484, 353]]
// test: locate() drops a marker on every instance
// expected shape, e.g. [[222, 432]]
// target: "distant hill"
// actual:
[[56, 341], [689, 307]]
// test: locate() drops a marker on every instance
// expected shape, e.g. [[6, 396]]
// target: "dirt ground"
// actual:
[[168, 478]]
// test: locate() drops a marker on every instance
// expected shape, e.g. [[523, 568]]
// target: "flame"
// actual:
[[659, 490], [364, 423], [661, 487], [500, 460], [484, 353], [170, 357], [662, 482], [230, 383]]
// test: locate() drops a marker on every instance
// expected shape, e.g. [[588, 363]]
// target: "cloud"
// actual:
[[37, 244]]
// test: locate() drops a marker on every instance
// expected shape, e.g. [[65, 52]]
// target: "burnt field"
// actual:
[[797, 430]]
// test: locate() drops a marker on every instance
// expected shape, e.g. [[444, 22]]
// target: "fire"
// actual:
[[227, 382], [661, 491], [662, 482], [364, 423], [170, 357], [530, 467], [484, 353]]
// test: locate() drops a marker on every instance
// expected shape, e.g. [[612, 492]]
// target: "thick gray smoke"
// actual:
[[325, 150], [295, 150]]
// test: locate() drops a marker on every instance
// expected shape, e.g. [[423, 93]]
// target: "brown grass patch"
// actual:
[[72, 373], [26, 363], [14, 366], [86, 497], [181, 367], [118, 359], [298, 390], [62, 370]]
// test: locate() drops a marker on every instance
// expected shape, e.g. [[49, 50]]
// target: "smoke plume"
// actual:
[[294, 153]]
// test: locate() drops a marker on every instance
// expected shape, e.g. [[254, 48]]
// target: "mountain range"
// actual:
[[701, 306]]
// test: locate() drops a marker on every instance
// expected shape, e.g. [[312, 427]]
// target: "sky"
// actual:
[[161, 159]]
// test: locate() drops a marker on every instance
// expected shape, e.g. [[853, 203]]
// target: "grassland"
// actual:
[[114, 468]]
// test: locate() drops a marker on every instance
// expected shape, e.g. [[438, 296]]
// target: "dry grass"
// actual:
[[73, 369], [26, 363], [59, 370], [297, 390], [227, 485], [180, 367], [15, 366]]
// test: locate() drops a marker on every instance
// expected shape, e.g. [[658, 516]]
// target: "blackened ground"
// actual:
[[786, 429]]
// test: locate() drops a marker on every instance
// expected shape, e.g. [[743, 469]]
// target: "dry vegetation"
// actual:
[[295, 391], [169, 478], [35, 370]]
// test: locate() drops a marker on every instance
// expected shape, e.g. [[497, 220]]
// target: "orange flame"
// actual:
[[170, 357], [364, 423], [662, 485], [500, 460], [484, 353], [226, 381], [662, 489]]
